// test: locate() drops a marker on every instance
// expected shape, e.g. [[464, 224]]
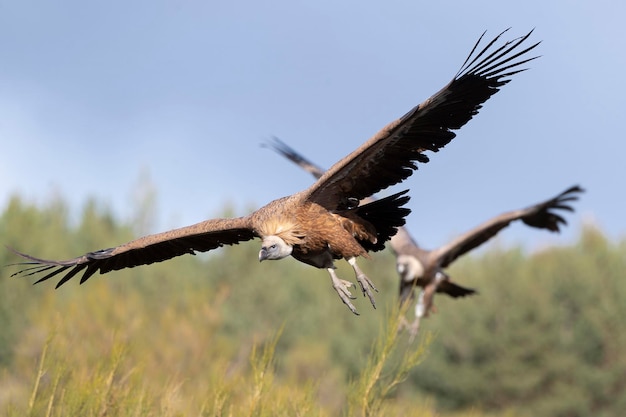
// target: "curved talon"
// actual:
[[345, 286], [341, 286], [366, 284], [366, 287]]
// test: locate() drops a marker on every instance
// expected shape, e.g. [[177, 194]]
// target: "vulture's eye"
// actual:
[[273, 247]]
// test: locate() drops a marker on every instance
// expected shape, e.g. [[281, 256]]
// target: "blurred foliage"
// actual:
[[548, 334], [220, 334]]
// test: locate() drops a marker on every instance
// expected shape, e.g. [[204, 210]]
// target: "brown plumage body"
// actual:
[[325, 221], [309, 228]]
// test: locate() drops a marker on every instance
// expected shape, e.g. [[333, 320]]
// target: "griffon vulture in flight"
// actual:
[[325, 222], [423, 268]]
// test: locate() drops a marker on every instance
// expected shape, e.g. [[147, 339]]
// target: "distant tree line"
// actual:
[[544, 337]]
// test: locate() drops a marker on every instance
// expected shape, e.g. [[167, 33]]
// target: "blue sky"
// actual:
[[93, 94]]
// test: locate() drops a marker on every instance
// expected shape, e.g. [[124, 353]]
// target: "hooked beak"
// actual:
[[262, 254]]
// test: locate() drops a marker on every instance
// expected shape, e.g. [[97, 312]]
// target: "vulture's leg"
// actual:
[[341, 286], [420, 310], [420, 307], [366, 285]]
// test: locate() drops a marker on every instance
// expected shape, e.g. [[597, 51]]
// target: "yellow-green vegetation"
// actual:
[[222, 335]]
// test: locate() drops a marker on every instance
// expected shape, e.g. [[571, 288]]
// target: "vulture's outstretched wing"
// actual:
[[542, 216], [200, 237], [389, 156]]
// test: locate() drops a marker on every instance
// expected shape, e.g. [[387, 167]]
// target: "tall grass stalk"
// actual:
[[262, 372], [52, 396], [368, 392], [40, 372]]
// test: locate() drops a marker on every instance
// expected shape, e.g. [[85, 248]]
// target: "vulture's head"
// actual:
[[274, 248], [409, 268]]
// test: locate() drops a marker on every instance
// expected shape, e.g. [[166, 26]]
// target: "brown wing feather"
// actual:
[[542, 216], [200, 237], [390, 156]]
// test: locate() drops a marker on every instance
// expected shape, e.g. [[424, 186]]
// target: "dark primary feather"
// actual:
[[543, 216], [390, 156]]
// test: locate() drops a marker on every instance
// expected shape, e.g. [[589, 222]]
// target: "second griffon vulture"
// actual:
[[325, 222], [423, 268]]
